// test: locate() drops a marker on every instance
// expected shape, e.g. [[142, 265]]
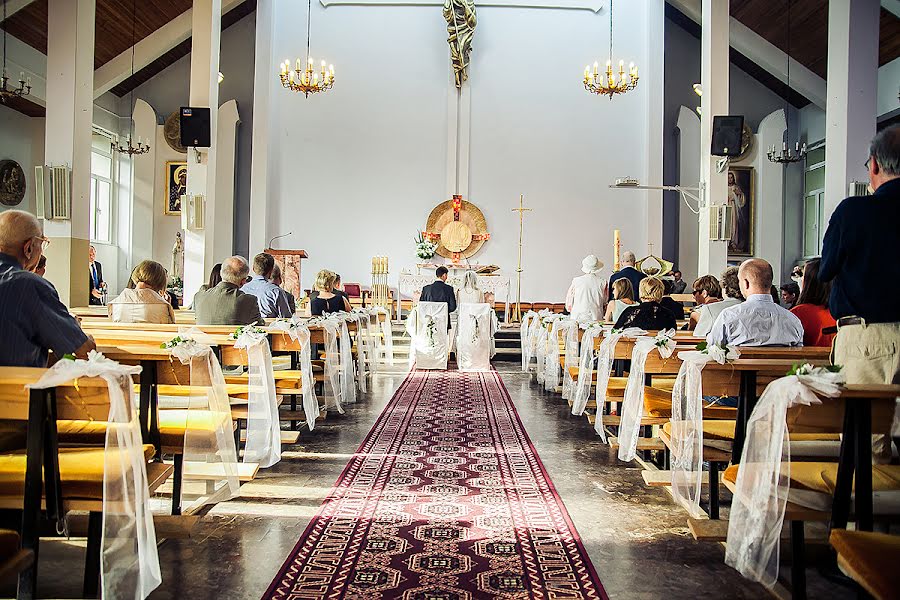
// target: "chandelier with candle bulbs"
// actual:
[[24, 87], [606, 83], [129, 147], [786, 154], [307, 81]]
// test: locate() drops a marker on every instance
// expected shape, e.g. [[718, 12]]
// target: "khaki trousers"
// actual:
[[870, 353]]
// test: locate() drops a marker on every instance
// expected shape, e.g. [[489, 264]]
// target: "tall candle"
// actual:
[[616, 244]]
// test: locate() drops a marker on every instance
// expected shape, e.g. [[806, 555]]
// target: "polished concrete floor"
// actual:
[[636, 537]]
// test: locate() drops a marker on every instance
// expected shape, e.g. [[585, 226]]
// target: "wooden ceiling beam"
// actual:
[[764, 54], [148, 50]]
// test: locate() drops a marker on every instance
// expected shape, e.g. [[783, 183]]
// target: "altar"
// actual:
[[497, 284]]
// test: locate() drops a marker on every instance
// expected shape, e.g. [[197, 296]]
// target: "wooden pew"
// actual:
[[57, 479]]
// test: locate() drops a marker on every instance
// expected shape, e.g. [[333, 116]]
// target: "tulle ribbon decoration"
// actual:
[[763, 482], [364, 354], [129, 563], [348, 383], [209, 431], [571, 360], [687, 424], [385, 342], [582, 390], [551, 363], [263, 422], [333, 378], [606, 354], [633, 405], [299, 332], [525, 336]]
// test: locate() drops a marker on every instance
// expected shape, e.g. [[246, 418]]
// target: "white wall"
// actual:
[[888, 88], [355, 172], [22, 140]]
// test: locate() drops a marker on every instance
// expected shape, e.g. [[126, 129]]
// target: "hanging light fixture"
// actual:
[[6, 92], [786, 154], [307, 81], [606, 84], [130, 148]]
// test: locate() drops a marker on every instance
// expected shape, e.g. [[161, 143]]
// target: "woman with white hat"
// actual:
[[586, 298]]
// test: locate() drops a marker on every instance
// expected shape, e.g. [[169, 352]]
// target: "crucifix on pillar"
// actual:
[[517, 312]]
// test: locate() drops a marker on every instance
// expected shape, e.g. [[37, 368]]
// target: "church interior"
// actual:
[[355, 299]]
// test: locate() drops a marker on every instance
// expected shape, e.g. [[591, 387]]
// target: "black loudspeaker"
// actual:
[[726, 135], [194, 127]]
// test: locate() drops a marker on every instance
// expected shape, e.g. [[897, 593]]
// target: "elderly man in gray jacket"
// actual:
[[226, 304]]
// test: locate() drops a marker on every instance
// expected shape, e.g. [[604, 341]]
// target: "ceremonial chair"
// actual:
[[48, 477], [475, 333], [427, 326]]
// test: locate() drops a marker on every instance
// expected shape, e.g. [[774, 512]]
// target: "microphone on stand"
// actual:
[[279, 236]]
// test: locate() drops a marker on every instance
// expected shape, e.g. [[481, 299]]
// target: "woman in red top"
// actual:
[[812, 307]]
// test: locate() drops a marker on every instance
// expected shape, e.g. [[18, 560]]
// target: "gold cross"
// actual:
[[517, 312]]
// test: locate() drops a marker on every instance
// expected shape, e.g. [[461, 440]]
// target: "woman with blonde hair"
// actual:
[[146, 302], [648, 315], [623, 294], [327, 301]]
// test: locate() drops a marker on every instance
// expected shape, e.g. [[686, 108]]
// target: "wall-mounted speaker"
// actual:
[[194, 127], [726, 135]]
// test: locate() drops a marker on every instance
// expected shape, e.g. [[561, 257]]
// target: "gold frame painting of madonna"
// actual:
[[176, 185], [743, 209]]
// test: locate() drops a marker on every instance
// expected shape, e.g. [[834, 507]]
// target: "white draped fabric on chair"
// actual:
[[476, 326], [427, 326]]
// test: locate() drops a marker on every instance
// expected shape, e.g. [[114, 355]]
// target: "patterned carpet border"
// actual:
[[446, 498]]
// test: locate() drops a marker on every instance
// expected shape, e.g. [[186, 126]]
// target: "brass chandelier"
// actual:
[[786, 154], [307, 81], [606, 84], [7, 92], [129, 147]]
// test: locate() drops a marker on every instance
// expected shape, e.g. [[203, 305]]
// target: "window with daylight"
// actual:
[[814, 202], [102, 189]]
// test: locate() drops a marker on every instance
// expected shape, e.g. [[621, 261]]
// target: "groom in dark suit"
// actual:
[[439, 291]]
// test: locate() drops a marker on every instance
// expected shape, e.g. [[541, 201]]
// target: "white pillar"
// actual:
[[653, 78], [201, 179], [688, 166], [70, 95], [852, 94], [264, 81], [712, 256]]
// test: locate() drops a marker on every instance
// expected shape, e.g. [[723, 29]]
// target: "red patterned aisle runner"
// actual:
[[445, 499]]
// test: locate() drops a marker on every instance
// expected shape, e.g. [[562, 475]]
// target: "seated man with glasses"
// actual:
[[32, 318]]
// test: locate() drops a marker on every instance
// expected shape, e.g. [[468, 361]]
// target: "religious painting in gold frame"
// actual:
[[741, 200], [176, 185]]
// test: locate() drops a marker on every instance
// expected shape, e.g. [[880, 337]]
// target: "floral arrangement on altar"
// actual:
[[425, 248]]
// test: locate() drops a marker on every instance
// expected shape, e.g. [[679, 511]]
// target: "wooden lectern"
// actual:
[[289, 262]]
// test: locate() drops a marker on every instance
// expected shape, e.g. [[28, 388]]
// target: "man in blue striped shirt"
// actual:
[[32, 318]]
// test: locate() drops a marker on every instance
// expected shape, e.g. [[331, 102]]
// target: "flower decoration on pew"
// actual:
[[246, 329], [430, 330], [475, 331], [665, 342], [808, 369], [174, 342], [720, 353]]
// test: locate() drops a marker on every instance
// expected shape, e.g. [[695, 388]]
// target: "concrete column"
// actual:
[[653, 77], [201, 179], [852, 94], [712, 256], [264, 82], [70, 94]]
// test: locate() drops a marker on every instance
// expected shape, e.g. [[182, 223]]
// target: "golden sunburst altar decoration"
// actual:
[[458, 227]]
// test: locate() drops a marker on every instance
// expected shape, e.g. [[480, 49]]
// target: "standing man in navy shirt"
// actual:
[[32, 318], [628, 272], [856, 256]]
